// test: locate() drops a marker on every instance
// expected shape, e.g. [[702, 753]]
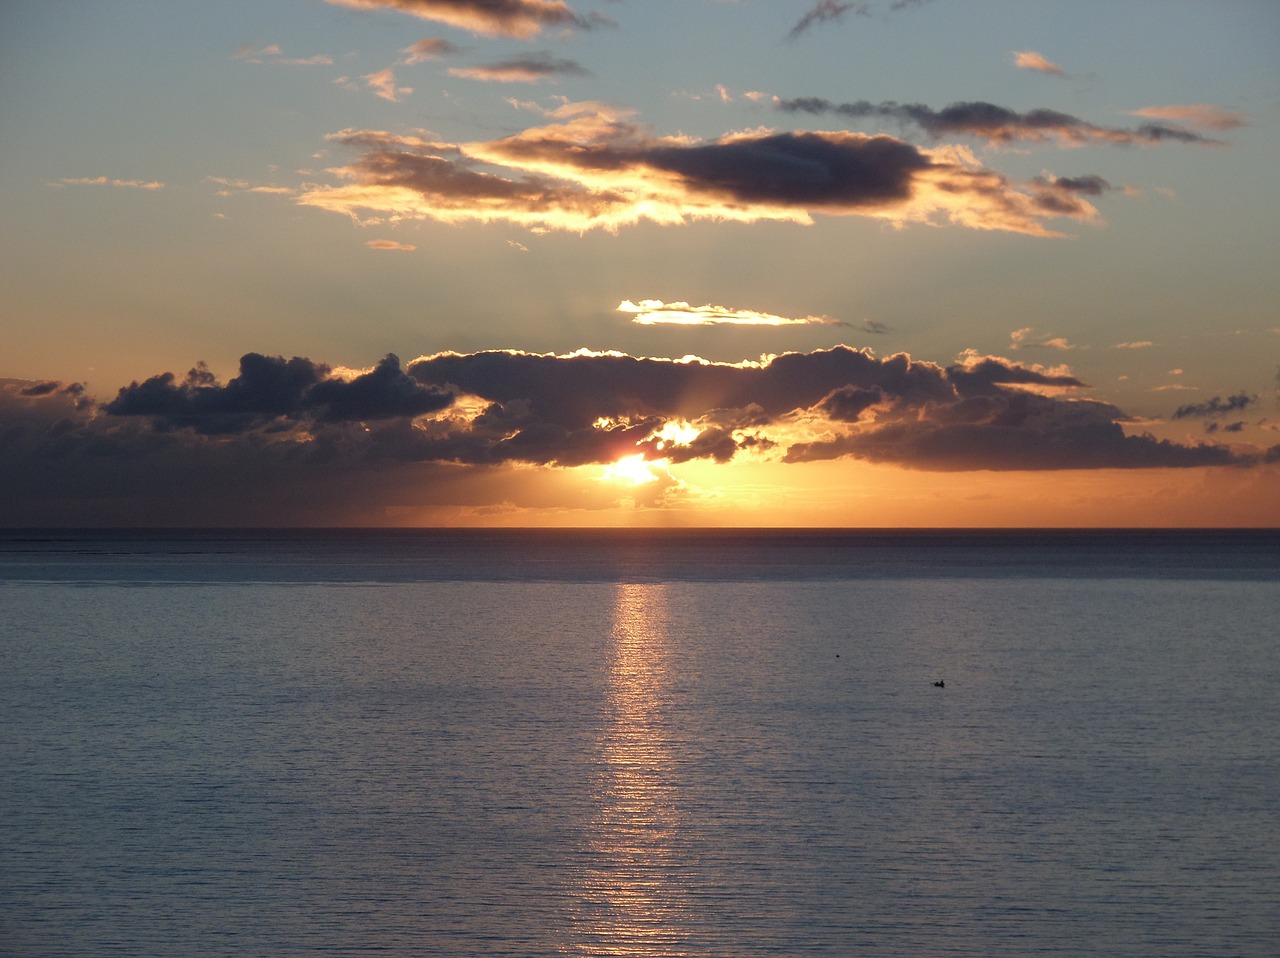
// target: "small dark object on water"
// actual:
[[939, 684]]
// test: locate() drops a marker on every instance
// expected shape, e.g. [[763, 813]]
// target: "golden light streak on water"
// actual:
[[632, 898]]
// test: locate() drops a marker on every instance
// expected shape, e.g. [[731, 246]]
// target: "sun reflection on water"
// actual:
[[632, 897]]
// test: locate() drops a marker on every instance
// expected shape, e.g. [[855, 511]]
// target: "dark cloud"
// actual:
[[292, 441], [986, 376], [523, 69], [270, 388], [810, 170], [996, 124], [1010, 430], [824, 11], [1217, 406], [49, 387], [848, 403]]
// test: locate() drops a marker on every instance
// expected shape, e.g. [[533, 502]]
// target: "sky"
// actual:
[[917, 263]]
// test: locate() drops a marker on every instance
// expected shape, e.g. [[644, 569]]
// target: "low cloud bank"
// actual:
[[295, 440]]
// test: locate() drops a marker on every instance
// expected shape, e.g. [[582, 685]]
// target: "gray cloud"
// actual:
[[824, 11], [270, 388], [997, 124], [1217, 406], [523, 69]]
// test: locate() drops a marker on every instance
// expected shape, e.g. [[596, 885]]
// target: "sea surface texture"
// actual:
[[645, 744]]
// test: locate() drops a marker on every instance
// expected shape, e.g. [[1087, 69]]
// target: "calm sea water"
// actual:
[[698, 744]]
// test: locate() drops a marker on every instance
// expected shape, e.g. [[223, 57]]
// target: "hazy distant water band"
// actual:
[[693, 745], [630, 555]]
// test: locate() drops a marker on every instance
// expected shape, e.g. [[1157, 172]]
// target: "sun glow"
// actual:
[[675, 433], [633, 470]]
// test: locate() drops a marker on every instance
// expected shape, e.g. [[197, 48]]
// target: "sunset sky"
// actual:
[[640, 262]]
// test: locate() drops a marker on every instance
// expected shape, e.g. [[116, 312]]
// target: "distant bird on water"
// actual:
[[939, 684]]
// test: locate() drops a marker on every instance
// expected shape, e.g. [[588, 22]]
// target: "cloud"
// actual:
[[595, 168], [232, 186], [43, 388], [295, 440], [107, 181], [270, 390], [1137, 344], [521, 19], [525, 69], [272, 54], [874, 327], [1030, 60], [386, 244], [1216, 406], [429, 48], [825, 11], [997, 124], [652, 312], [1205, 116], [1024, 339], [383, 84]]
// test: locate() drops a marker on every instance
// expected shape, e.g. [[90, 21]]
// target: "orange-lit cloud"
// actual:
[[1137, 344], [1025, 338], [108, 181], [524, 69], [1206, 116], [511, 18], [232, 186], [386, 244], [383, 84], [1030, 60], [593, 167], [653, 312], [429, 48], [998, 124], [272, 54]]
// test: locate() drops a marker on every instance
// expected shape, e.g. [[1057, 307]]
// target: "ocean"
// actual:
[[639, 743]]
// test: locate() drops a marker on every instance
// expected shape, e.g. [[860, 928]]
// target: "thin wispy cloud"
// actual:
[[521, 19], [1136, 344], [596, 168], [1027, 338], [997, 124], [271, 53], [109, 181], [654, 312], [525, 69], [1030, 60], [824, 11], [429, 48], [392, 245], [1204, 116], [229, 187]]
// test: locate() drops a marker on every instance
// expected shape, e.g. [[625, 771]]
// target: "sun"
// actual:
[[632, 470]]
